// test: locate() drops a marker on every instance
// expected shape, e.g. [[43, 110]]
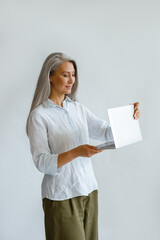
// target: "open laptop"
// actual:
[[125, 129]]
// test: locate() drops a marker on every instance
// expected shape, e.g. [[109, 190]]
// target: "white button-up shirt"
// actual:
[[53, 130]]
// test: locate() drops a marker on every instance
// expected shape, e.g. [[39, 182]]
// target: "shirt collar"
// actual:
[[48, 103]]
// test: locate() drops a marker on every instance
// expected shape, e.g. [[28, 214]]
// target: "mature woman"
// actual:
[[59, 128]]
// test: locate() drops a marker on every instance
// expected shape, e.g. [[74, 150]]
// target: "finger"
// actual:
[[136, 108], [96, 151], [136, 111], [136, 105], [137, 115], [92, 147]]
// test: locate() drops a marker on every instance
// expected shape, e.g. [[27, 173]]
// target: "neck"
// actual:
[[57, 98]]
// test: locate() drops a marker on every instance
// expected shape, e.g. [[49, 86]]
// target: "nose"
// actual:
[[71, 79]]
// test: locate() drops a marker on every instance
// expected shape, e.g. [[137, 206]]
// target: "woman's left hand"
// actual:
[[136, 113]]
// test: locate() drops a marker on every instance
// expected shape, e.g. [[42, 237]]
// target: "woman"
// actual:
[[59, 128]]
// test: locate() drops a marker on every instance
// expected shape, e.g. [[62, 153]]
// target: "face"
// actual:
[[64, 78]]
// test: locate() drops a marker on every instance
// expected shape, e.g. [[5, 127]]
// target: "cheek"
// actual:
[[62, 82]]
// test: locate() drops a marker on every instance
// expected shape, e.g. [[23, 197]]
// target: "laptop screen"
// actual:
[[125, 128]]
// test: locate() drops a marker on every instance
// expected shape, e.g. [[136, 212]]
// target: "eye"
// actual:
[[67, 75]]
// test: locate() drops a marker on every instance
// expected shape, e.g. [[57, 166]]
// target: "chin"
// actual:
[[69, 91]]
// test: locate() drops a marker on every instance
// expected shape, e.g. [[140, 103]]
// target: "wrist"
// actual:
[[75, 152]]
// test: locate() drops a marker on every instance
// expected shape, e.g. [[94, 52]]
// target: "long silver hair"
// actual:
[[43, 87]]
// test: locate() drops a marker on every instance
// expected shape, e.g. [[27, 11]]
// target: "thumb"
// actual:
[[93, 147]]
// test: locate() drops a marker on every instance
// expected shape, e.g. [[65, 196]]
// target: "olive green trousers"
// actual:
[[72, 219]]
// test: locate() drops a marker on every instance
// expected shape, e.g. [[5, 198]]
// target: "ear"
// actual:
[[50, 78]]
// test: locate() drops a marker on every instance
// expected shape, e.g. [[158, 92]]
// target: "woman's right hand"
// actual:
[[87, 150], [80, 151]]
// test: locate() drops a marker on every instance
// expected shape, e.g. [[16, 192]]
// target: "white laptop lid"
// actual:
[[125, 128]]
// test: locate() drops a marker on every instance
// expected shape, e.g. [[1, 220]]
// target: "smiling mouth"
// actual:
[[68, 86]]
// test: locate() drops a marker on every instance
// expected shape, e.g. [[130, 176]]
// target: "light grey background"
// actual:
[[117, 48]]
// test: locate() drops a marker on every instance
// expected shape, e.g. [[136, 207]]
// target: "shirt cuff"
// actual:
[[47, 163]]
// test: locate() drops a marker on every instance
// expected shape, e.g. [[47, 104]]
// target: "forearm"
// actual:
[[66, 157]]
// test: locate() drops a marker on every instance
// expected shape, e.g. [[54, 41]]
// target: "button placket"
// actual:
[[74, 130]]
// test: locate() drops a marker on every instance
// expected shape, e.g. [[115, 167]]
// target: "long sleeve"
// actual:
[[98, 128], [44, 161]]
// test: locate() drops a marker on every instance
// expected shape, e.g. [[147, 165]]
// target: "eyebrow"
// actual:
[[67, 71]]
